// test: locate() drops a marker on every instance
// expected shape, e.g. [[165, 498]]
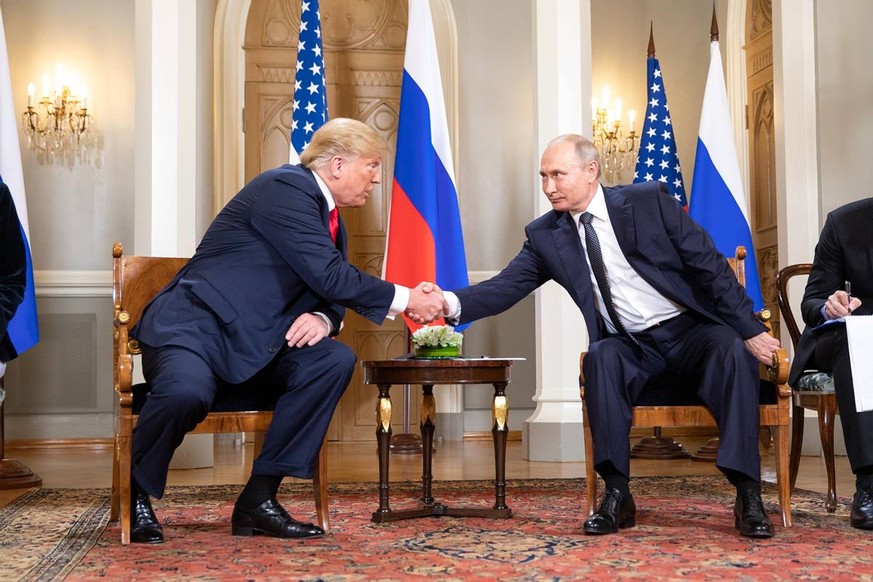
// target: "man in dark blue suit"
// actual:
[[258, 303], [844, 254], [656, 296]]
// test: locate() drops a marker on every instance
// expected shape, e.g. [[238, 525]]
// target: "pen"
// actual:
[[849, 294]]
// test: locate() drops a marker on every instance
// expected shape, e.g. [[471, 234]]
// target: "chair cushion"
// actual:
[[230, 397], [814, 381], [675, 390]]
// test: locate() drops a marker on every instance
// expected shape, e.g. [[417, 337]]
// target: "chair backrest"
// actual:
[[782, 278], [136, 280]]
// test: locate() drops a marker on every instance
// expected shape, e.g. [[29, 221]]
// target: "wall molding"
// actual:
[[73, 284]]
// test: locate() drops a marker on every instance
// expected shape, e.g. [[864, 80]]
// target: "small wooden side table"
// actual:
[[384, 373]]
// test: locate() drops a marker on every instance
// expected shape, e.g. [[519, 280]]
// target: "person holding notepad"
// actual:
[[840, 285]]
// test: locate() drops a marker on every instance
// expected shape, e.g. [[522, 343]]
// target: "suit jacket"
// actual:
[[13, 264], [844, 253], [266, 259], [661, 242]]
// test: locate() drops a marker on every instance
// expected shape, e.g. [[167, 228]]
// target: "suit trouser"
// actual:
[[309, 382], [832, 355], [729, 387]]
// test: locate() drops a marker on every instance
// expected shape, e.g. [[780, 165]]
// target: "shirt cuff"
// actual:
[[454, 305], [401, 300], [326, 321]]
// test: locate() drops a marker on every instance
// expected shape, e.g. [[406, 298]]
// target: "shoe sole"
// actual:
[[758, 535], [251, 532], [628, 523]]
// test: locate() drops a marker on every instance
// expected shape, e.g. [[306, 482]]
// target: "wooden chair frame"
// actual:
[[136, 280], [775, 416], [824, 403]]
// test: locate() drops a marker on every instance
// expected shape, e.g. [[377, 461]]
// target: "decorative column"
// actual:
[[562, 37], [171, 152]]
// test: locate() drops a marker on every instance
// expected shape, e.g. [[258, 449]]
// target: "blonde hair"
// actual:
[[343, 137], [585, 150]]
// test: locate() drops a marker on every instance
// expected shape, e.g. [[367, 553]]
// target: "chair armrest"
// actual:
[[582, 375], [777, 373], [123, 370]]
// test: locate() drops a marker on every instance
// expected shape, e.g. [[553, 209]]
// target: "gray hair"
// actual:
[[585, 150]]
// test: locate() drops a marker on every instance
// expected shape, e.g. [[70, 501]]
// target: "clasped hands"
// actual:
[[426, 303]]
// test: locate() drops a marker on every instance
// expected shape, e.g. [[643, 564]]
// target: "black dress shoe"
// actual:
[[862, 508], [270, 519], [144, 526], [616, 512], [750, 518]]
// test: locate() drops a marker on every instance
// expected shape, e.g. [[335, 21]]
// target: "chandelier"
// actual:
[[617, 144], [59, 125]]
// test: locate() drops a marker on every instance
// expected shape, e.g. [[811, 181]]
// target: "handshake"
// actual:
[[426, 303]]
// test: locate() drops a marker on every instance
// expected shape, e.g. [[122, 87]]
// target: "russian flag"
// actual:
[[425, 242], [718, 203], [23, 329]]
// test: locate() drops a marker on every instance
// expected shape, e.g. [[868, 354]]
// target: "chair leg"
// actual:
[[590, 475], [783, 482], [827, 406], [123, 454], [114, 499], [319, 488], [796, 441]]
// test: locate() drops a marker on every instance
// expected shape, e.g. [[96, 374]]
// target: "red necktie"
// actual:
[[333, 224]]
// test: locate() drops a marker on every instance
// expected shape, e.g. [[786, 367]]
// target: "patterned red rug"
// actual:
[[684, 530]]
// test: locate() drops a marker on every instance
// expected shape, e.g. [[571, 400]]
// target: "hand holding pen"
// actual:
[[841, 303]]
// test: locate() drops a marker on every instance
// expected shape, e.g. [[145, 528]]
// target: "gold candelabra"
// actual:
[[617, 144], [58, 124]]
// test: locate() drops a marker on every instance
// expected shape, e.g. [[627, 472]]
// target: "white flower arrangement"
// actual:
[[437, 336]]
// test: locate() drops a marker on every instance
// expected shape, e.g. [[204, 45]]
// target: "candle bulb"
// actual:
[[30, 91], [617, 110], [632, 117], [45, 86]]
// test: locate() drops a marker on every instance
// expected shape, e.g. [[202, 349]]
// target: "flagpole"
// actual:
[[13, 474]]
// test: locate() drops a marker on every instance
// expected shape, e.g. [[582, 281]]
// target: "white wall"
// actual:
[[845, 96]]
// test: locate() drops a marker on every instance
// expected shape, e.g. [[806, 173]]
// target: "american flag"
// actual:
[[310, 95], [657, 158]]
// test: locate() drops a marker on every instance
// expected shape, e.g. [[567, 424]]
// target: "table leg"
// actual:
[[383, 441], [428, 424], [500, 430]]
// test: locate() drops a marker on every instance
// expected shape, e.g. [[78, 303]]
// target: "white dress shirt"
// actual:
[[638, 304]]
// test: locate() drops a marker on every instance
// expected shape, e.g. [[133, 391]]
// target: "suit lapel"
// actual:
[[621, 214], [572, 255]]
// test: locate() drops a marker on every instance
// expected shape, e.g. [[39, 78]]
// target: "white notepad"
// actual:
[[859, 329]]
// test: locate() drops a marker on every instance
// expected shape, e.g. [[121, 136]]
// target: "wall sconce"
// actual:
[[59, 124], [617, 145]]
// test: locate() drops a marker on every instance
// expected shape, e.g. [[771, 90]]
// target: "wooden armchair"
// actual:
[[651, 411], [814, 391], [135, 281]]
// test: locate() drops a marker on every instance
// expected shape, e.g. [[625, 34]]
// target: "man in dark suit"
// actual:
[[12, 271], [257, 303], [656, 296], [843, 255]]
